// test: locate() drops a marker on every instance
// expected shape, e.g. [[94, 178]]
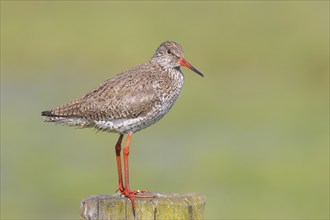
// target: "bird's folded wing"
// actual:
[[110, 101]]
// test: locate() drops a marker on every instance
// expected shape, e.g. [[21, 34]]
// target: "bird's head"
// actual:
[[170, 55]]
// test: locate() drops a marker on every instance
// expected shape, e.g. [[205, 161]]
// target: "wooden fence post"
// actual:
[[162, 206]]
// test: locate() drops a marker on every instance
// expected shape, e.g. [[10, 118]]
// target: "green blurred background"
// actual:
[[252, 135]]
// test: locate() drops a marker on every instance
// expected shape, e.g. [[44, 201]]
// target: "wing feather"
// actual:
[[124, 96]]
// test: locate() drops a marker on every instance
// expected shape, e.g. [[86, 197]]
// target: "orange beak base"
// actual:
[[185, 63]]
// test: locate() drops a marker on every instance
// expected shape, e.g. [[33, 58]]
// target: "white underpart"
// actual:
[[118, 125]]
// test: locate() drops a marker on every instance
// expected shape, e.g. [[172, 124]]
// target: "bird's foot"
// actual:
[[132, 194]]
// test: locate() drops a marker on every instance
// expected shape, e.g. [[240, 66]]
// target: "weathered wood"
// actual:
[[162, 206]]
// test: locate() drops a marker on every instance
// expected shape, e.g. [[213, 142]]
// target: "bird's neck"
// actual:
[[173, 72], [176, 75]]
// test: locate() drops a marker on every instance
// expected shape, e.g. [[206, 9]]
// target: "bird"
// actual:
[[127, 103]]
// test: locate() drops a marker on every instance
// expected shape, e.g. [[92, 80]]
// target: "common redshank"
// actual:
[[129, 102]]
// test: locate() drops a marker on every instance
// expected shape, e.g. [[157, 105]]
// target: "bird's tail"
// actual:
[[67, 114]]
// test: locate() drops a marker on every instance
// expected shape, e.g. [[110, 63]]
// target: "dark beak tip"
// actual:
[[199, 73]]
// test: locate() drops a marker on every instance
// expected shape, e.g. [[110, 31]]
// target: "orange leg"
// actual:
[[120, 177], [131, 194]]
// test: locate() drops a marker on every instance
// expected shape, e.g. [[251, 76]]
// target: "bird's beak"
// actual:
[[185, 63]]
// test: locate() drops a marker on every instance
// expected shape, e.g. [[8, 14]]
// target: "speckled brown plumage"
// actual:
[[131, 100]]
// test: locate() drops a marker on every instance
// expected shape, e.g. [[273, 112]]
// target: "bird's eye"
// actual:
[[168, 51]]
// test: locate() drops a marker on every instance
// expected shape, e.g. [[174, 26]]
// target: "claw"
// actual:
[[132, 194], [120, 188]]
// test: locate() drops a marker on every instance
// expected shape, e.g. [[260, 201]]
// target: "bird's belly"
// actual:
[[121, 126], [124, 126], [132, 125]]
